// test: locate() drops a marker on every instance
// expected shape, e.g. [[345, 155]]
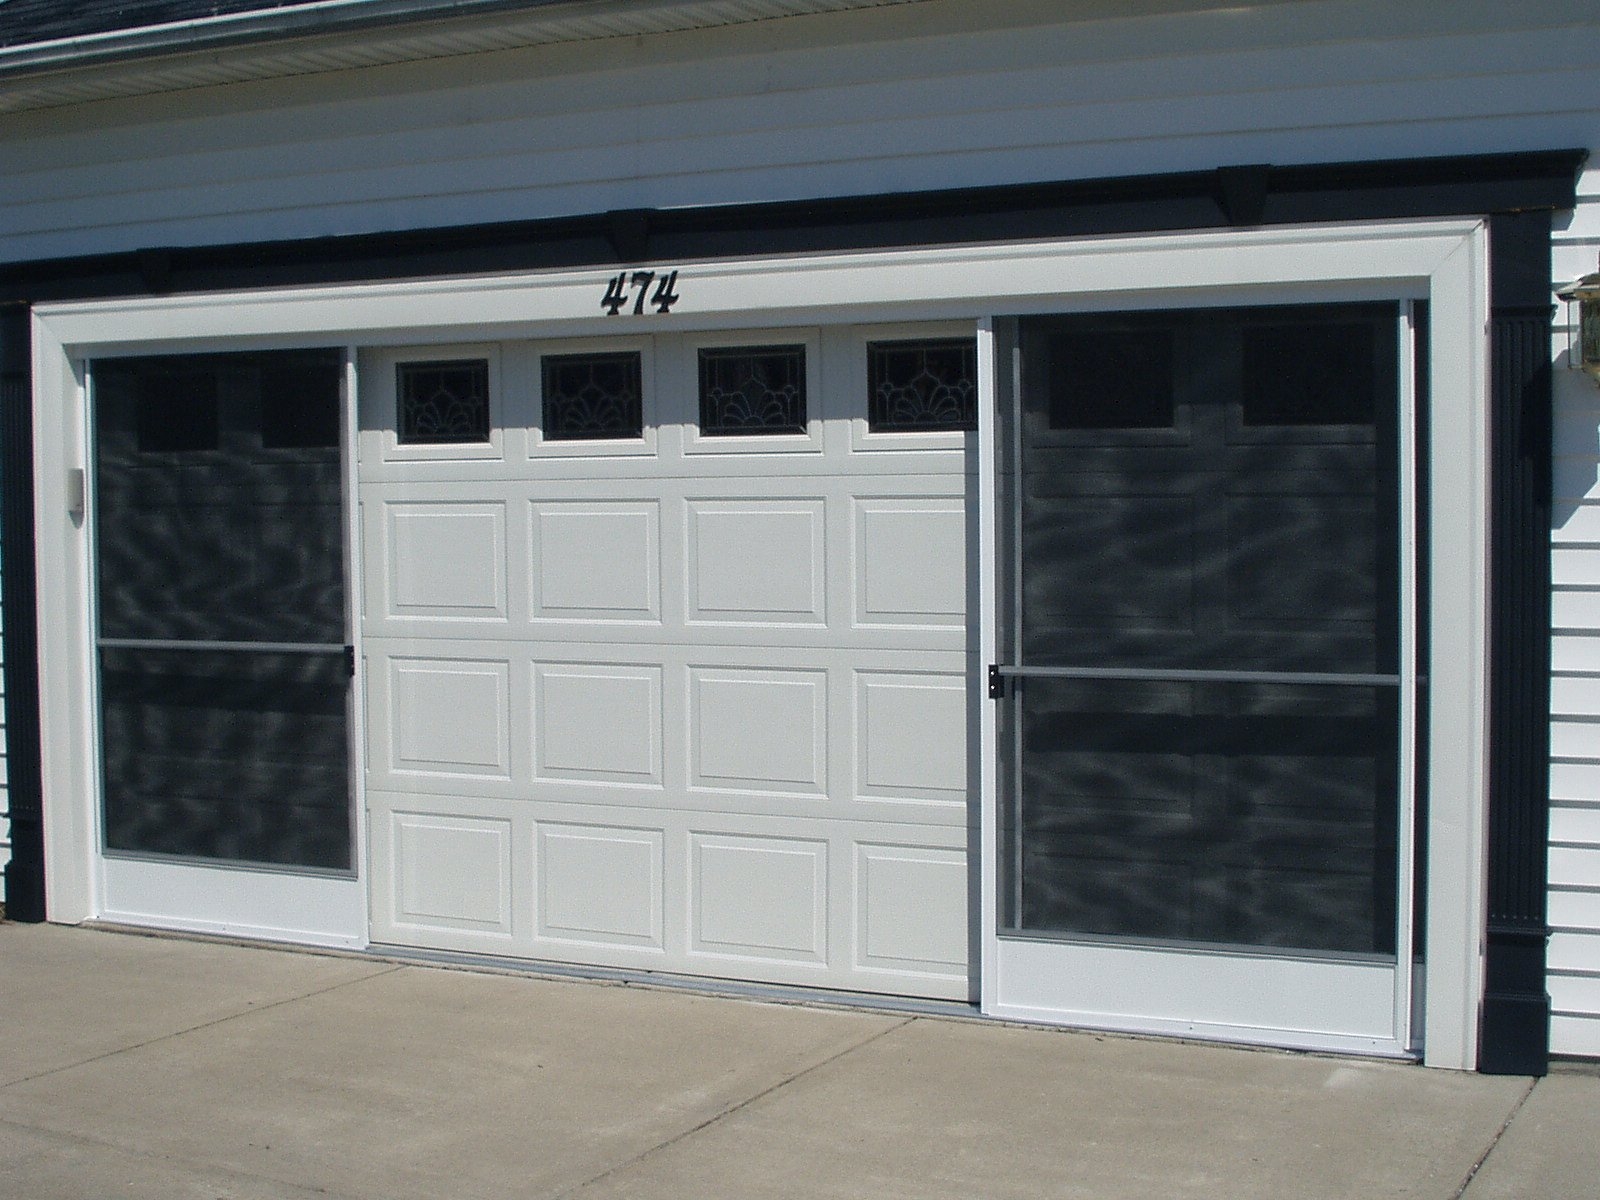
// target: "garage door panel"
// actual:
[[911, 737], [448, 716], [600, 885], [740, 473], [445, 560], [755, 561], [813, 640], [443, 872], [776, 898], [909, 560], [598, 723], [595, 561], [698, 706], [758, 898], [910, 909], [758, 729]]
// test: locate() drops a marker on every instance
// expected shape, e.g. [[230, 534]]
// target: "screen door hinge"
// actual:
[[997, 683], [350, 661]]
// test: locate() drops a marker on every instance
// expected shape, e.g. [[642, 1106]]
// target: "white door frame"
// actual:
[[1335, 1002], [1444, 262], [264, 902]]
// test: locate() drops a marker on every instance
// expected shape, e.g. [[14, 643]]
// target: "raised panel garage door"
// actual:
[[666, 653]]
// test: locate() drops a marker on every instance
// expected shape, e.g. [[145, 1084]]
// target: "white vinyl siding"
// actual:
[[1575, 683], [937, 94]]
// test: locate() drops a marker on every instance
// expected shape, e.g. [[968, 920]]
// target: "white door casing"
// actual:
[[1443, 262]]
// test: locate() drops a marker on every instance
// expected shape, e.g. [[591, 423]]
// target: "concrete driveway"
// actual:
[[137, 1067]]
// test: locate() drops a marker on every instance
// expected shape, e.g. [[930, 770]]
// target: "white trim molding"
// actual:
[[1443, 262]]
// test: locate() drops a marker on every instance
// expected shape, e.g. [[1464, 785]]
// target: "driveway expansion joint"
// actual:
[[251, 1010], [1472, 1171], [724, 1114], [194, 1164]]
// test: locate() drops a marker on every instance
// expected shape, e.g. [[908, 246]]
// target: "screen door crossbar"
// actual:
[[225, 647], [998, 674]]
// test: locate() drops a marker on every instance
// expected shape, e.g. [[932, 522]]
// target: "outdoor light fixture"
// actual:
[[1583, 335]]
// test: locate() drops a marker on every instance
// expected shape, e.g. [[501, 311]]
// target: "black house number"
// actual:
[[634, 286]]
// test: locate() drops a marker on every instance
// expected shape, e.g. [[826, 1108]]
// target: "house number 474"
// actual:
[[635, 286]]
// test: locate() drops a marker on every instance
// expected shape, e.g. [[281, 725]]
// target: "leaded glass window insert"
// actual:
[[443, 403], [590, 396], [752, 390], [922, 386]]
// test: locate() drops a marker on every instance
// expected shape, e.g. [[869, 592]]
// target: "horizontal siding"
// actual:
[[1574, 866], [1574, 781], [1574, 979], [937, 94], [1576, 908], [1575, 952], [1576, 994], [1575, 824], [1575, 1034]]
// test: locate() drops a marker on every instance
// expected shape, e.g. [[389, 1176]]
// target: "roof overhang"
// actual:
[[331, 35]]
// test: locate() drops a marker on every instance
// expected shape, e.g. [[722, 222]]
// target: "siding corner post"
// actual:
[[24, 876], [1514, 1031]]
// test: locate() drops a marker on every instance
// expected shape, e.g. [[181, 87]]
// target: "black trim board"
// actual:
[[1193, 200], [1518, 190], [1514, 1032], [24, 875]]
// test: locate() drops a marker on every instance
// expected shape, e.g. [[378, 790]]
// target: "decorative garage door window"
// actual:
[[592, 396], [443, 402], [922, 386], [752, 390]]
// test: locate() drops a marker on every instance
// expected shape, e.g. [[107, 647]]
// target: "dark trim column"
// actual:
[[24, 876], [1514, 1036]]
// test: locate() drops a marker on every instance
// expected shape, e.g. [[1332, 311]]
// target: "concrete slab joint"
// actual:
[[171, 1067]]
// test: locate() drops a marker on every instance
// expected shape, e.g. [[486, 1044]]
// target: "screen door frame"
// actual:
[[237, 897], [1305, 999]]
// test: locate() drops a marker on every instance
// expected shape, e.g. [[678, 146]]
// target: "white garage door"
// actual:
[[666, 653]]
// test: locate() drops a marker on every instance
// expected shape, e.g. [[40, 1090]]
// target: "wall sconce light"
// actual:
[[1583, 335]]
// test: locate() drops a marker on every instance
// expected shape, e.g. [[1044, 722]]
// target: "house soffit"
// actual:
[[272, 41]]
